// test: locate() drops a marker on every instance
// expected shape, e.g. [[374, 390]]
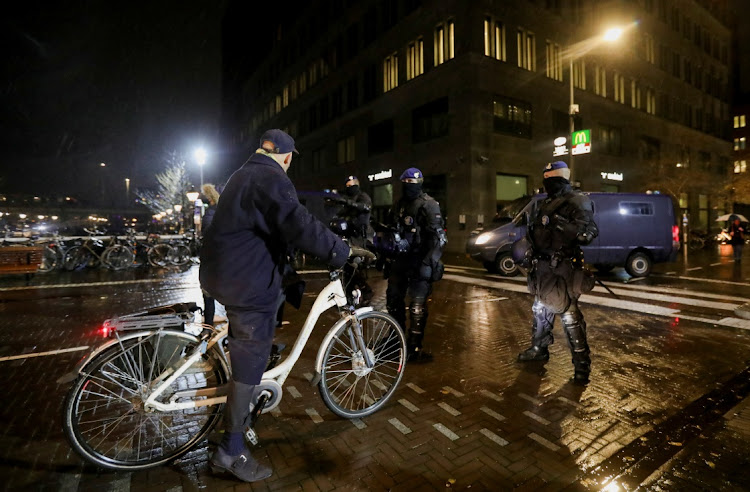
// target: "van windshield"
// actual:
[[520, 218]]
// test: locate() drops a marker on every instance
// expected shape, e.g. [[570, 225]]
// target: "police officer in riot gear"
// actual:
[[354, 216], [419, 226], [558, 226]]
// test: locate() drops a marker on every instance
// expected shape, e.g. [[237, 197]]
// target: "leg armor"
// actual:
[[395, 294], [541, 328], [418, 315], [575, 329]]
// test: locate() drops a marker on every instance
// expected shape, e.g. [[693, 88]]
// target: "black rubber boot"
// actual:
[[534, 353], [242, 466], [415, 353]]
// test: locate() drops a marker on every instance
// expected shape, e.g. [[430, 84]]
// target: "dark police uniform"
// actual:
[[243, 257], [417, 265], [558, 225], [353, 222]]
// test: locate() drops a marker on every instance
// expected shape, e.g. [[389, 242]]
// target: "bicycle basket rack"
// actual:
[[140, 322]]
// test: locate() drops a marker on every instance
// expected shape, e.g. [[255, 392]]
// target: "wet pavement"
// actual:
[[666, 409]]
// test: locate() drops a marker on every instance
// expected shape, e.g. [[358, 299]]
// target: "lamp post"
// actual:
[[200, 158], [577, 52], [178, 214], [192, 197], [127, 191]]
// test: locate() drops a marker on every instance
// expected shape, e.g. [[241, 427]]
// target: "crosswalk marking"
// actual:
[[492, 413], [314, 415], [446, 431], [398, 425], [600, 301], [544, 442], [536, 417], [449, 409], [409, 405]]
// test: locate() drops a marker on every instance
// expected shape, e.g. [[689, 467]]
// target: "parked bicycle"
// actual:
[[157, 388], [94, 252]]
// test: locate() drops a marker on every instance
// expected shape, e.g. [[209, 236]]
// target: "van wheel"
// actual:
[[638, 265], [505, 266]]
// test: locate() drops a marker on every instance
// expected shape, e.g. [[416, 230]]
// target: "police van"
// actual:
[[636, 230]]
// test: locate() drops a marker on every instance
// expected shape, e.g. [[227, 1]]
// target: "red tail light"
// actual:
[[675, 234]]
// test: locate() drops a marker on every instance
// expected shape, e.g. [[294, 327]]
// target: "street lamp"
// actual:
[[192, 196], [178, 214], [200, 158], [127, 191], [576, 52]]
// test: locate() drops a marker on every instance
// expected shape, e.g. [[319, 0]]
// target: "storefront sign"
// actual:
[[581, 142], [560, 147], [612, 176], [381, 175]]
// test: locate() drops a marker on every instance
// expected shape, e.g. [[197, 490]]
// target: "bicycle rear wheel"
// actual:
[[118, 257], [75, 257], [350, 389], [104, 417], [180, 254]]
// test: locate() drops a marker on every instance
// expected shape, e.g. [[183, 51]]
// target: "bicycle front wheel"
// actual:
[[158, 256], [104, 416], [118, 257], [49, 260], [349, 388]]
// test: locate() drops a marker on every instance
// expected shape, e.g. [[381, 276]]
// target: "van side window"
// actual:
[[636, 208]]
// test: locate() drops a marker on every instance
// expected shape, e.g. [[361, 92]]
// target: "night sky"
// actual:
[[115, 82]]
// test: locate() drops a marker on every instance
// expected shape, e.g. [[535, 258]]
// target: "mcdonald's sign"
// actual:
[[580, 142]]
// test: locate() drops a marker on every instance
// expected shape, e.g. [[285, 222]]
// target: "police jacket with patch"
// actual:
[[356, 211], [420, 223], [560, 223], [256, 220]]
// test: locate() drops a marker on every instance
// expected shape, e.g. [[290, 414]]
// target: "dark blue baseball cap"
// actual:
[[282, 142], [557, 169], [412, 175]]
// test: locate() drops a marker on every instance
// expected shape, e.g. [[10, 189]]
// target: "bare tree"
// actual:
[[172, 185]]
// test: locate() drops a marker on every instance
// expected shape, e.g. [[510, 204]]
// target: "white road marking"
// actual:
[[493, 437], [43, 354], [409, 405], [85, 284], [638, 307], [544, 442], [415, 388], [492, 413], [530, 398], [569, 402], [121, 483], [491, 395], [635, 279], [693, 269], [449, 409], [712, 281], [653, 296], [358, 424], [446, 431], [536, 417], [487, 300], [398, 425], [679, 292], [294, 392], [455, 393], [69, 482], [308, 376], [314, 415], [715, 264]]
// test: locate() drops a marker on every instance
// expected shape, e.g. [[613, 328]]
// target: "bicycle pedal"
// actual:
[[251, 436]]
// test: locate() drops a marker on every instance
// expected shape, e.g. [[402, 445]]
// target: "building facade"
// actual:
[[476, 93]]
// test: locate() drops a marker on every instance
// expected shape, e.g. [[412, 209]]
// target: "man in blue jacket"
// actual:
[[242, 260]]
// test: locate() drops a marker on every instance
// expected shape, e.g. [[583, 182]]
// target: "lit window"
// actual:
[[285, 96], [390, 72], [278, 103], [494, 39], [302, 82], [554, 61], [444, 42], [415, 59], [743, 143], [600, 81], [742, 121], [635, 94], [579, 74], [619, 83], [526, 50], [736, 122], [648, 47], [736, 144], [650, 101], [740, 167]]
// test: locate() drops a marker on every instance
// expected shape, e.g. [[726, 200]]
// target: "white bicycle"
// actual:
[[153, 391]]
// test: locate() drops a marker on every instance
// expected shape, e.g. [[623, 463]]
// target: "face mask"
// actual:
[[555, 185], [411, 190], [352, 190]]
